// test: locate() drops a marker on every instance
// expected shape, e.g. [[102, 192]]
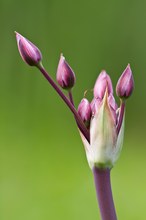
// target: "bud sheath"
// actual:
[[65, 75], [84, 110], [103, 81], [125, 84], [28, 51]]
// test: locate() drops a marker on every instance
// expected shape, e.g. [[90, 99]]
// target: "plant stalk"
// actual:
[[104, 193], [72, 101], [82, 127]]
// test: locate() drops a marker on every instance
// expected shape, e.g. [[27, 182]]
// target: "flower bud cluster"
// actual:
[[101, 122], [106, 119]]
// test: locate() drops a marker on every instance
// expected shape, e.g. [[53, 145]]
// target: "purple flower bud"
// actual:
[[113, 106], [65, 75], [125, 83], [84, 110], [112, 102], [95, 105], [103, 81], [28, 51]]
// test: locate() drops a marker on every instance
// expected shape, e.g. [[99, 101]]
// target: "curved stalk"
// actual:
[[71, 97], [72, 101], [82, 127]]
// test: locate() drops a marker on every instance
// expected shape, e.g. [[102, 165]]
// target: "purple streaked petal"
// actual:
[[125, 84], [112, 102], [113, 106], [65, 75], [84, 110], [28, 51], [103, 81], [95, 105]]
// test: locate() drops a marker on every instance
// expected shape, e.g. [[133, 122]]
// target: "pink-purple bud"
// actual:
[[65, 75], [112, 102], [95, 105], [125, 83], [28, 51], [84, 110], [113, 107], [103, 81]]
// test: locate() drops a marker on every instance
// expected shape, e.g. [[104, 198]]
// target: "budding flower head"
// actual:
[[28, 51], [125, 84], [105, 143], [103, 81], [107, 121], [84, 110], [65, 75]]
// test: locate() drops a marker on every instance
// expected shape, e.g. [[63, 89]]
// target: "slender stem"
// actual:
[[71, 97], [104, 193], [72, 101], [82, 127], [121, 114]]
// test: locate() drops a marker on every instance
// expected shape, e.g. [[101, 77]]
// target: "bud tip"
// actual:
[[103, 81], [125, 84], [65, 75], [28, 51]]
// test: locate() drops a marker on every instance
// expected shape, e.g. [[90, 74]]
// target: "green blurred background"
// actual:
[[43, 169]]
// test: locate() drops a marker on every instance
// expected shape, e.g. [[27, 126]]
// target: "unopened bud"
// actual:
[[112, 102], [65, 75], [103, 81], [103, 137], [125, 83], [113, 106], [28, 51], [84, 110], [95, 105]]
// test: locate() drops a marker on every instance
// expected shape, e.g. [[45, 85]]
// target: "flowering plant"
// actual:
[[100, 123]]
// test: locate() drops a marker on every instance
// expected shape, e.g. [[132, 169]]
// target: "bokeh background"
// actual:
[[43, 169]]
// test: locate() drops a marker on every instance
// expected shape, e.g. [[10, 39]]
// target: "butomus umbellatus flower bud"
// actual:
[[28, 51], [125, 84], [65, 75]]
